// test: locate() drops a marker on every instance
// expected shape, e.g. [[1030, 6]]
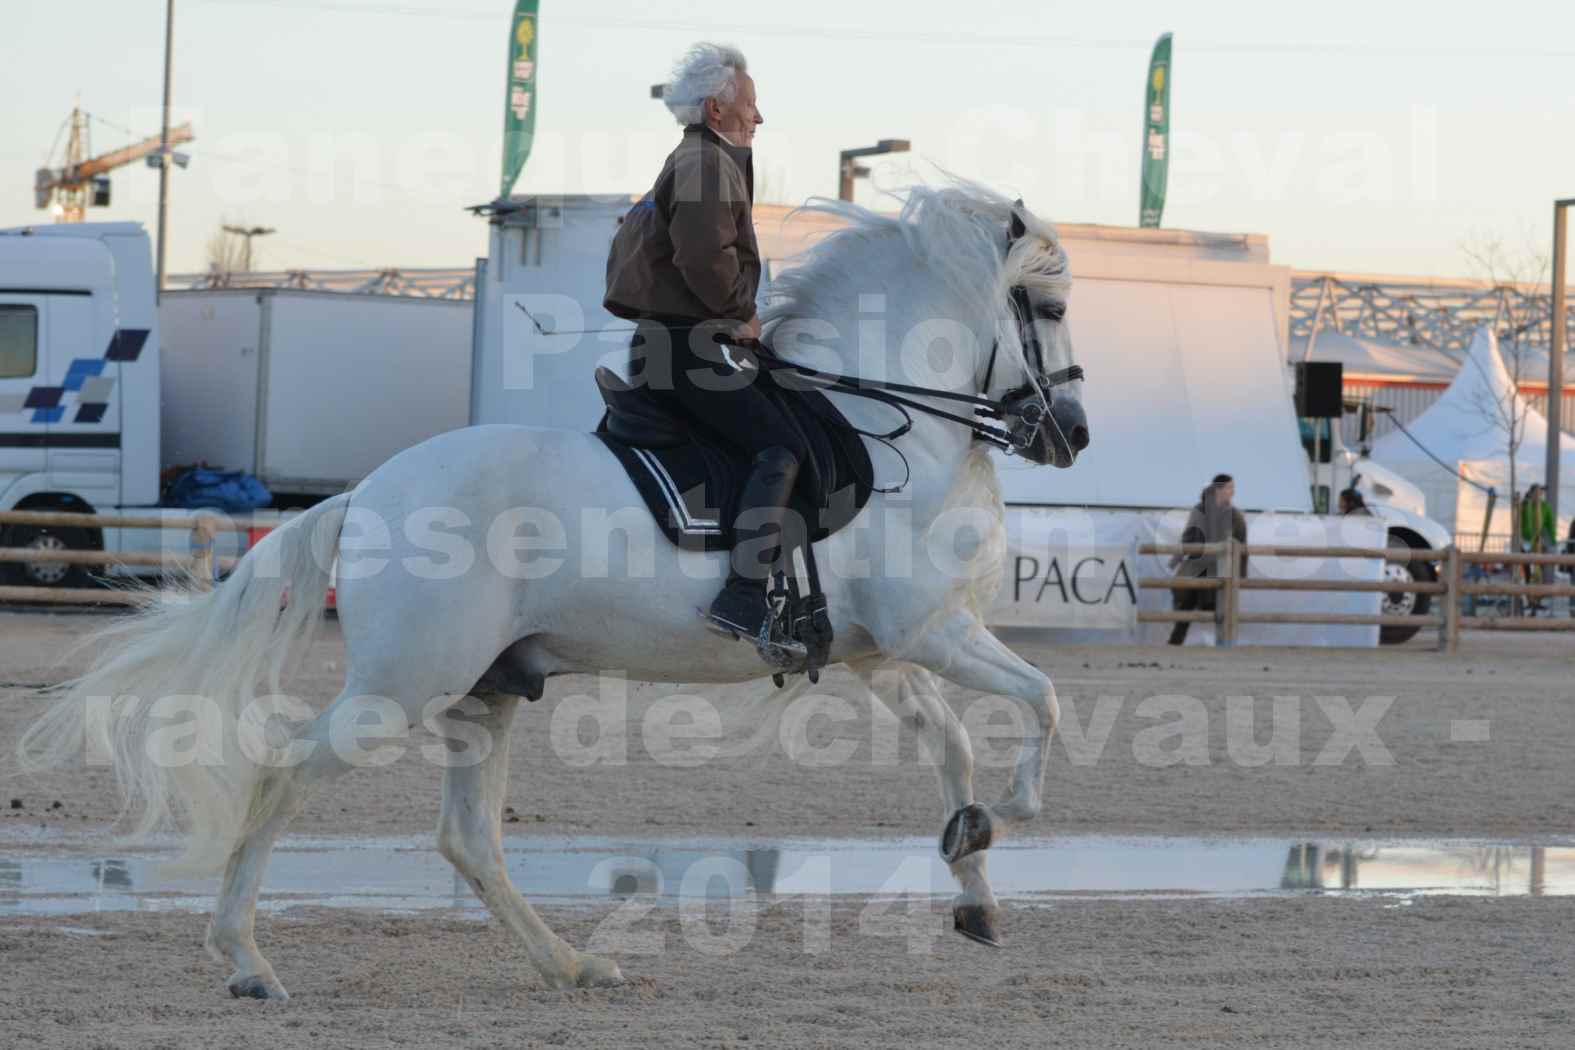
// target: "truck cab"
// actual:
[[1400, 505], [79, 389]]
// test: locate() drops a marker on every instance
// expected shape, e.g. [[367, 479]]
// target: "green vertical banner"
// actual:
[[1156, 135], [519, 116]]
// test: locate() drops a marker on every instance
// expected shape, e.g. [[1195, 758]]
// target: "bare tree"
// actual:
[[226, 255], [1517, 279]]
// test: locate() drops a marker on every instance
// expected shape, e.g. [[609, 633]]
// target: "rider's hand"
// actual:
[[749, 330]]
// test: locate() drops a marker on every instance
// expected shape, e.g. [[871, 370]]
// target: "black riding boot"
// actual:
[[741, 609]]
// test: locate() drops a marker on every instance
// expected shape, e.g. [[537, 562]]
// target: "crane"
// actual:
[[69, 189]]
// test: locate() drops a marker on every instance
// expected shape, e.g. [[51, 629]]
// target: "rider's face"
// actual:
[[736, 120]]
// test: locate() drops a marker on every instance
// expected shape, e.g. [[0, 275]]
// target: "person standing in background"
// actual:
[[1538, 535], [1351, 502], [1213, 520]]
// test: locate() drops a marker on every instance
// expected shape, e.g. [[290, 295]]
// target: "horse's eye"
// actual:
[[1050, 312]]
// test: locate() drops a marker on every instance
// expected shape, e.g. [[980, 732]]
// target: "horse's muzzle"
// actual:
[[1067, 433]]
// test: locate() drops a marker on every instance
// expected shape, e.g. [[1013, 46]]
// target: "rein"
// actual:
[[993, 419], [1030, 411]]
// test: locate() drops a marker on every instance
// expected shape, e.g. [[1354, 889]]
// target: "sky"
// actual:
[[1359, 137]]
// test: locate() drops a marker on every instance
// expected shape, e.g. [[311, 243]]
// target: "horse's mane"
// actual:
[[956, 232]]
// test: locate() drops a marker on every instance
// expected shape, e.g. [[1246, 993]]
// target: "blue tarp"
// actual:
[[221, 490]]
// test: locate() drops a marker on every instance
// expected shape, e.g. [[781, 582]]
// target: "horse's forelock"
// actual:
[[1040, 264]]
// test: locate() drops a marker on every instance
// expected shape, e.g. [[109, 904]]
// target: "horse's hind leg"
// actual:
[[281, 795], [470, 835], [231, 932], [919, 703]]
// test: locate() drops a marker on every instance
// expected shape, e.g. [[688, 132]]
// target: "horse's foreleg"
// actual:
[[470, 835], [962, 650], [918, 701]]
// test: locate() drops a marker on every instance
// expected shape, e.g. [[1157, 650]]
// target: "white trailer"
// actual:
[[309, 391], [1183, 335]]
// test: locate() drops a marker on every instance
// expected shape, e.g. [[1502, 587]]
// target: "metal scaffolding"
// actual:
[[1442, 314], [437, 283]]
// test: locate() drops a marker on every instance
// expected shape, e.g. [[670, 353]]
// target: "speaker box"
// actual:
[[1320, 389]]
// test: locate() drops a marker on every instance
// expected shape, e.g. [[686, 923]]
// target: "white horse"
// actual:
[[492, 627]]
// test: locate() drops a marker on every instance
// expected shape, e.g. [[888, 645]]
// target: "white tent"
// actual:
[[1469, 424], [1363, 355]]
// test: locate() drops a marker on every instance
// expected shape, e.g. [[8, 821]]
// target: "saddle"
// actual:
[[690, 480]]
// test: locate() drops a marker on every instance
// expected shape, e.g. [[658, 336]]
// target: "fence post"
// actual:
[[1225, 597], [1449, 636], [202, 552]]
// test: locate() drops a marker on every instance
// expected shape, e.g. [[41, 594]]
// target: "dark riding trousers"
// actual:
[[685, 368]]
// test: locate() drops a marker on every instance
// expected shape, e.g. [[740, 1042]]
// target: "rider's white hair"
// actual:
[[705, 71]]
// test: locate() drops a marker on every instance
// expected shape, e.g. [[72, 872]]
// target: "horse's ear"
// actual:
[[1018, 227]]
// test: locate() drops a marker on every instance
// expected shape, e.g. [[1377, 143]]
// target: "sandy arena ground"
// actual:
[[1437, 972]]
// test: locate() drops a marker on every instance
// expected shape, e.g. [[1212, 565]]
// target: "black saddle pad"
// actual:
[[692, 488]]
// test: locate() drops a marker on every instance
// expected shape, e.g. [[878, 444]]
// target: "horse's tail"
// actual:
[[169, 700]]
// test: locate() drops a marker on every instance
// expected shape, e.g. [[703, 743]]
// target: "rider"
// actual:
[[685, 267]]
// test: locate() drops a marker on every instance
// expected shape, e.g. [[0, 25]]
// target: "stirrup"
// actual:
[[782, 654]]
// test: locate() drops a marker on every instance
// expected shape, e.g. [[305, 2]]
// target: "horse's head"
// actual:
[[1038, 382], [942, 257]]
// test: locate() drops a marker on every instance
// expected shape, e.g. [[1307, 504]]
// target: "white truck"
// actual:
[[100, 390], [1392, 499]]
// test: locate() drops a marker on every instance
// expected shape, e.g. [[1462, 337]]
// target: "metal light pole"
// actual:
[[1556, 351], [847, 170], [164, 145]]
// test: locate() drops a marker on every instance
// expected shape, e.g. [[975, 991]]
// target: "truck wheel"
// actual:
[[1405, 603], [45, 573]]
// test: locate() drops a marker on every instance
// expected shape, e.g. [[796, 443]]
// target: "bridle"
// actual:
[[1027, 402], [1010, 423]]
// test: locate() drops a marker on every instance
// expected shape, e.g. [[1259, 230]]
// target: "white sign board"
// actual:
[[1049, 547], [1081, 577]]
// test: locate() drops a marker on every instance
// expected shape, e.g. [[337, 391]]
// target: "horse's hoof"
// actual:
[[257, 986], [976, 923], [969, 831], [598, 973]]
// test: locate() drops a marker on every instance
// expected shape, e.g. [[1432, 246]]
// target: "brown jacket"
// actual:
[[687, 250], [1199, 530]]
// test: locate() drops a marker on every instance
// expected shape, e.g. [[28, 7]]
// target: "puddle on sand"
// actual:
[[408, 875]]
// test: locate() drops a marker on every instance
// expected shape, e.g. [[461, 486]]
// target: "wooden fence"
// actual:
[[1451, 587], [200, 563]]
